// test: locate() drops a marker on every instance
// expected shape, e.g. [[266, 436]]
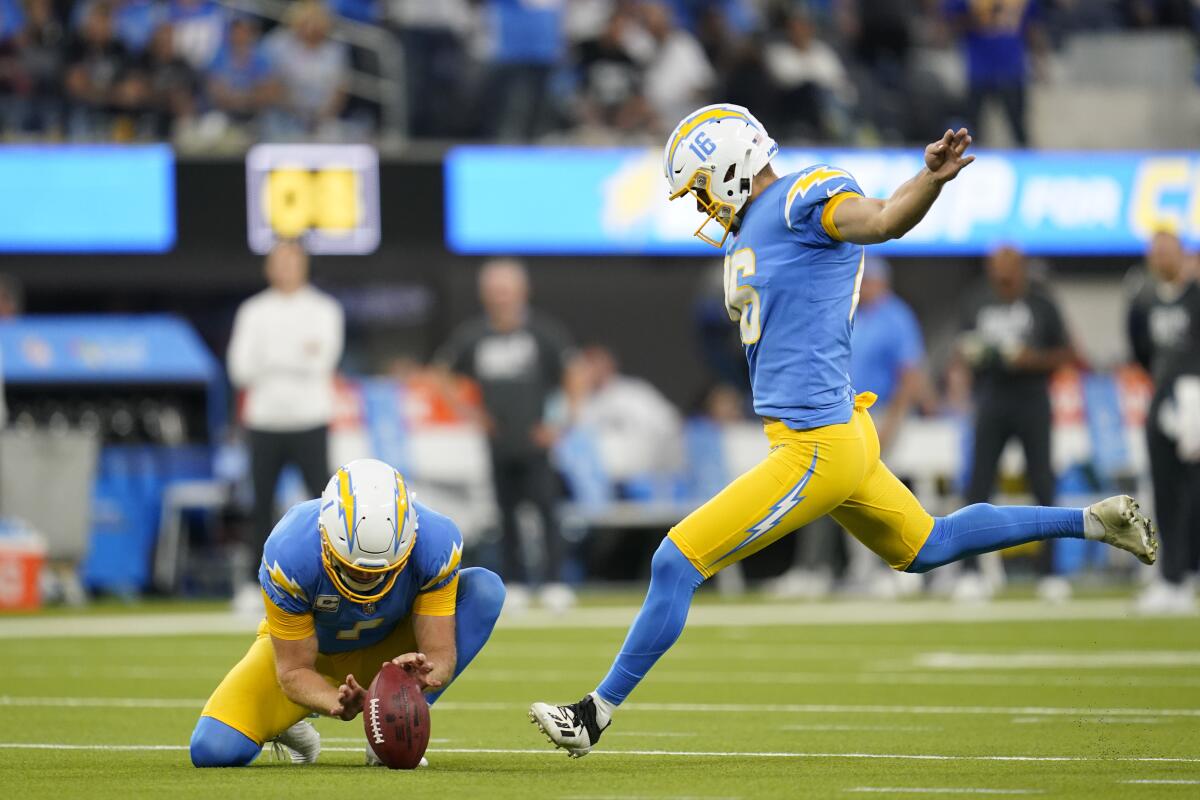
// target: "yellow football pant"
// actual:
[[833, 470], [251, 701]]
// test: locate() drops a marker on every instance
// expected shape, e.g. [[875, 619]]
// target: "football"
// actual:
[[396, 718]]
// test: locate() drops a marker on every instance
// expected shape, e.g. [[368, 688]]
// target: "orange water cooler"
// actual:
[[22, 555]]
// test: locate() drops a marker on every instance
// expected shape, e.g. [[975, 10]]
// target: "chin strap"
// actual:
[[745, 187]]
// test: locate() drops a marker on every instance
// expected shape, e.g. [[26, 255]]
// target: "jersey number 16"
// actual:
[[741, 300]]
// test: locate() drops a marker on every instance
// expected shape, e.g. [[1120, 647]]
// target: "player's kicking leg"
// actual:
[[983, 528], [884, 515]]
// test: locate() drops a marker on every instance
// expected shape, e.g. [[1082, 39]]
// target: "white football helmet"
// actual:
[[715, 154], [368, 523]]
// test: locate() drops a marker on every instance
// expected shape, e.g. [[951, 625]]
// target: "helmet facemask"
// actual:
[[725, 212], [383, 578]]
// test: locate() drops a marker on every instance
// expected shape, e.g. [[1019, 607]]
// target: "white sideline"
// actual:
[[701, 708], [545, 751], [702, 615]]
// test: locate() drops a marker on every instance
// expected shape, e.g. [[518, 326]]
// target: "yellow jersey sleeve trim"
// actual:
[[827, 215], [285, 625], [438, 603], [807, 181]]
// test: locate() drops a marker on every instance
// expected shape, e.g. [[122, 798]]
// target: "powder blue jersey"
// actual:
[[294, 579], [792, 285]]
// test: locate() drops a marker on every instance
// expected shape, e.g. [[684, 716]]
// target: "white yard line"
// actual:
[[546, 751], [1126, 659], [698, 708], [1096, 720], [742, 615], [101, 702], [667, 675], [862, 728], [871, 678], [650, 797], [1163, 782], [937, 790], [933, 710], [361, 741]]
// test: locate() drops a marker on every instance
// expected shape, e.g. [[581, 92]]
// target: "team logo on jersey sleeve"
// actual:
[[285, 583], [446, 569]]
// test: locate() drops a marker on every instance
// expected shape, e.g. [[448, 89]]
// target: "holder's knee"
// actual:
[[215, 744]]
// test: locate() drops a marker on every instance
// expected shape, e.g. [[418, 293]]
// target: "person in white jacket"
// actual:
[[286, 344]]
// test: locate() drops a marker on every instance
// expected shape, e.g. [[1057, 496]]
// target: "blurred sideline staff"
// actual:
[[1013, 339], [11, 301], [286, 343], [519, 358], [639, 432], [1164, 331]]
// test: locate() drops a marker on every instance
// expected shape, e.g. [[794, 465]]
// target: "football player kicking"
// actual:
[[792, 274], [361, 576]]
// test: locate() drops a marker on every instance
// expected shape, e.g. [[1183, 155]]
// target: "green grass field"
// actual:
[[1078, 702]]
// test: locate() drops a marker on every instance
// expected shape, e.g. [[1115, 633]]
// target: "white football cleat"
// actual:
[[1118, 522], [575, 728], [301, 742], [373, 760]]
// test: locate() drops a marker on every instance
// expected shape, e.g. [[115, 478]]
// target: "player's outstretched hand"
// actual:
[[418, 666], [944, 158], [351, 698]]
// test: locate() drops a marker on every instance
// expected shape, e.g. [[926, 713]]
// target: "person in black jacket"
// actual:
[[519, 358], [1013, 339], [1164, 331]]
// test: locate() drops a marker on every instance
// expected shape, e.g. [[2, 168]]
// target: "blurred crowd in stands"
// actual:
[[519, 70]]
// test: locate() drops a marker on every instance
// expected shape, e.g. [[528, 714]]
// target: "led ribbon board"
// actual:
[[614, 201], [327, 196], [87, 199]]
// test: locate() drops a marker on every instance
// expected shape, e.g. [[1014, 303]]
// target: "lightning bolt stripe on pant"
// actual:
[[831, 470]]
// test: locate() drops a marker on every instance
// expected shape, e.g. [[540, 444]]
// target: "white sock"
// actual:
[[1093, 528], [604, 710]]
